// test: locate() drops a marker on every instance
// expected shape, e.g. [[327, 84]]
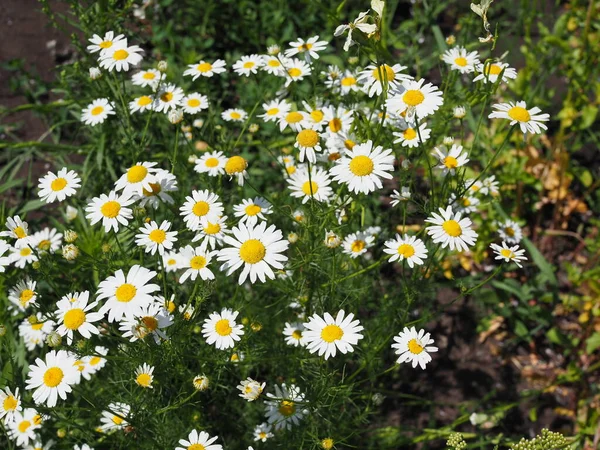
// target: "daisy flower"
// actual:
[[256, 249], [143, 376], [154, 237], [296, 70], [126, 296], [221, 329], [171, 261], [417, 99], [141, 104], [308, 48], [97, 111], [114, 418], [151, 320], [275, 65], [373, 78], [528, 119], [452, 159], [120, 56], [212, 233], [360, 23], [212, 163], [475, 186], [20, 257], [250, 211], [363, 167], [111, 209], [348, 83], [194, 103], [333, 74], [195, 261], [205, 69], [338, 119], [150, 77], [466, 204], [52, 378], [35, 331], [314, 186], [169, 97], [491, 186], [275, 110], [47, 240], [187, 311], [94, 363], [296, 120], [286, 407], [75, 314], [332, 240], [248, 64], [491, 72], [17, 229], [410, 136], [10, 403], [294, 334], [307, 141], [199, 441], [250, 389], [509, 254], [234, 115], [262, 432], [100, 44], [402, 196], [326, 335], [357, 244], [60, 186], [137, 178], [23, 295], [22, 428], [159, 191], [460, 60], [510, 231], [236, 167], [406, 247], [413, 347], [200, 208], [450, 229]]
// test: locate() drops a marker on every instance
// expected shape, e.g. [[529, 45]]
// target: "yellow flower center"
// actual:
[[272, 111], [20, 233], [331, 333], [253, 210], [307, 138], [201, 208], [317, 115], [460, 61], [166, 97], [196, 447], [110, 209], [358, 246], [198, 262], [507, 253], [212, 228], [125, 292], [519, 114], [25, 296], [95, 360], [120, 55], [53, 376], [466, 202], [37, 326], [450, 162], [25, 251], [297, 334], [154, 189], [294, 72], [406, 250], [409, 134], [348, 81], [58, 184], [384, 72], [193, 102], [157, 236], [10, 403], [349, 144], [287, 408], [361, 165], [273, 63], [249, 64], [211, 162], [223, 328], [509, 231], [452, 228], [310, 188], [143, 379], [290, 169], [235, 164], [74, 318], [137, 173], [97, 110], [150, 323], [252, 251], [262, 435], [413, 97], [105, 44], [117, 420], [235, 115], [23, 426], [304, 47], [294, 117], [149, 76], [37, 419], [204, 67], [335, 125], [414, 347], [493, 69]]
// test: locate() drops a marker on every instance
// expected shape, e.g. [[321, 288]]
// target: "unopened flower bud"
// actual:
[[70, 236], [175, 116], [70, 252], [460, 112], [54, 339], [95, 73], [162, 66], [201, 382]]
